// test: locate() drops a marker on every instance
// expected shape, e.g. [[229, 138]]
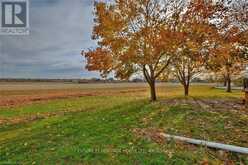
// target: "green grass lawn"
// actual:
[[100, 130]]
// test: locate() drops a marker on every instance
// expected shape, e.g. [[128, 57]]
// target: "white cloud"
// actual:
[[60, 29]]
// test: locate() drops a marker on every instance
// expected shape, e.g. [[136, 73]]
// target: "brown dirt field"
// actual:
[[26, 86], [19, 93], [27, 99], [14, 94], [21, 99]]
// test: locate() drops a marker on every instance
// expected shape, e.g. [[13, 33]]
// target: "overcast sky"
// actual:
[[59, 30]]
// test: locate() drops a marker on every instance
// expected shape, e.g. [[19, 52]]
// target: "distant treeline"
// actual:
[[93, 80], [97, 80]]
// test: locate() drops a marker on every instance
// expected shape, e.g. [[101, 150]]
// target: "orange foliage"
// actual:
[[148, 36]]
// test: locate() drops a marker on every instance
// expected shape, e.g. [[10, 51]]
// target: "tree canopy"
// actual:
[[149, 36]]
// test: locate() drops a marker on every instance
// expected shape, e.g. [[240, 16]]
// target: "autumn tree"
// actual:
[[230, 45], [239, 10], [186, 67], [196, 34], [228, 62], [215, 30], [129, 40]]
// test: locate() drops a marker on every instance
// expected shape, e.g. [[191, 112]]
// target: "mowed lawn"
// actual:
[[118, 125]]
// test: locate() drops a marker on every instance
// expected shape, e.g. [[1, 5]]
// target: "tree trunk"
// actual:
[[245, 83], [186, 90], [229, 81], [151, 81], [153, 91], [225, 82]]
